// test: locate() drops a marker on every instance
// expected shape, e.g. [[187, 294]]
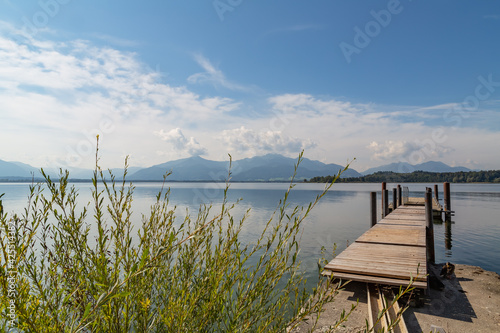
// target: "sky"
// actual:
[[376, 81]]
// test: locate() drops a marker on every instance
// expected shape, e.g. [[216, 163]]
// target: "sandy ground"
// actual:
[[469, 302]]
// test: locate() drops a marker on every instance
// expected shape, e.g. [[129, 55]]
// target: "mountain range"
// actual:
[[270, 167], [404, 167]]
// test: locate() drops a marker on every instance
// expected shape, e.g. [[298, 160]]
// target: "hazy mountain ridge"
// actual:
[[192, 168], [11, 169], [270, 167], [404, 167], [19, 171]]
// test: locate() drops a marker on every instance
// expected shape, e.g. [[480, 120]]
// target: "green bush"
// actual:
[[193, 275]]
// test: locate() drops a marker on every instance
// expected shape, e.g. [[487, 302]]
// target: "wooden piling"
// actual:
[[382, 196], [400, 196], [386, 203], [373, 208], [447, 196], [431, 257], [394, 199], [436, 192]]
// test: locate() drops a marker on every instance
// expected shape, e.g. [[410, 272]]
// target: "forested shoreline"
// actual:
[[490, 176]]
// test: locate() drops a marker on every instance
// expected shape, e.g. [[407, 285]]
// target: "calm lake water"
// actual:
[[341, 216]]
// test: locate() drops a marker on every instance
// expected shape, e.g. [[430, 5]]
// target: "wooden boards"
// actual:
[[391, 252], [394, 234], [412, 202], [389, 321], [383, 260], [373, 279]]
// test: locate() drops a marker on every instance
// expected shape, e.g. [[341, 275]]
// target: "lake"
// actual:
[[341, 216]]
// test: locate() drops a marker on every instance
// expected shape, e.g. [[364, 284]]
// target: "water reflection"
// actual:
[[447, 238]]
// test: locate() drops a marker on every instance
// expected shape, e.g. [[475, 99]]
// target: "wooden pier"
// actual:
[[392, 252]]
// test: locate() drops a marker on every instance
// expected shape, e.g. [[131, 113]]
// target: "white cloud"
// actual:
[[214, 76], [392, 150], [180, 143], [308, 105], [244, 140], [412, 152]]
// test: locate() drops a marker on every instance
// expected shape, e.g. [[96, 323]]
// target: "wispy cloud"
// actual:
[[295, 28], [214, 76], [439, 107], [492, 17]]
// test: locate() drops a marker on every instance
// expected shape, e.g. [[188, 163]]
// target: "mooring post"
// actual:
[[436, 192], [431, 257], [373, 208], [447, 196], [394, 199], [400, 197], [382, 196], [386, 202]]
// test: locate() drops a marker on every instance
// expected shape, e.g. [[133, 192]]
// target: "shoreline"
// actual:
[[469, 302]]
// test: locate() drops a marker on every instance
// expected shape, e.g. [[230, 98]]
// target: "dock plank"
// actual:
[[394, 234], [373, 279], [395, 216], [419, 223]]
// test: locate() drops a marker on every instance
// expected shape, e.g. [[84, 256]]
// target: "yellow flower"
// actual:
[[145, 304]]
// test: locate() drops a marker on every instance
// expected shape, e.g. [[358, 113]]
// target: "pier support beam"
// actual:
[[447, 196], [373, 208], [436, 192], [394, 199], [382, 196], [385, 203], [431, 257], [400, 196]]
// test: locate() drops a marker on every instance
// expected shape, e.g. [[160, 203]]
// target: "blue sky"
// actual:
[[379, 81]]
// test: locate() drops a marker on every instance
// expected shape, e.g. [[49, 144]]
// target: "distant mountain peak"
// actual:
[[268, 167], [12, 169], [404, 167]]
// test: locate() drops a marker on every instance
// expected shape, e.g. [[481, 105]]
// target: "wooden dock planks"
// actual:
[[415, 223], [385, 260], [416, 202], [394, 234], [378, 300], [391, 252]]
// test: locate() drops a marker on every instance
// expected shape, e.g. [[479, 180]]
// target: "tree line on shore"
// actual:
[[490, 176]]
